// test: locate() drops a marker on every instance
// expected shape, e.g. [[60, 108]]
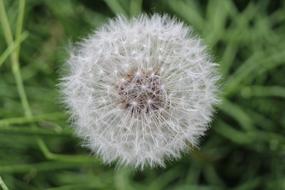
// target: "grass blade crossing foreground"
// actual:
[[33, 119], [14, 59], [3, 185], [17, 74], [33, 131], [12, 48], [38, 167]]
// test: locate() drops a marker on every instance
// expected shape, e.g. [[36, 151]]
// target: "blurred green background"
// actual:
[[244, 149]]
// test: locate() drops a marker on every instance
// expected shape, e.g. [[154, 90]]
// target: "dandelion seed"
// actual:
[[141, 90]]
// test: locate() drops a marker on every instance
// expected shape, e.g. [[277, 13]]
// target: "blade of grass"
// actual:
[[250, 138], [14, 60], [261, 120], [33, 119], [213, 177], [38, 167], [20, 21], [115, 6], [236, 112], [228, 58], [232, 35], [263, 91], [135, 7], [249, 184], [3, 185], [217, 14], [164, 179], [193, 173], [273, 60], [66, 158], [249, 68], [92, 185], [232, 134], [32, 131], [188, 11], [12, 48], [20, 87]]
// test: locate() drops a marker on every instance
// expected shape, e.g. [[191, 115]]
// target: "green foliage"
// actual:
[[244, 149]]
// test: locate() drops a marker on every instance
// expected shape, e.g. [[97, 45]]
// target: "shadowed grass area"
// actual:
[[244, 149]]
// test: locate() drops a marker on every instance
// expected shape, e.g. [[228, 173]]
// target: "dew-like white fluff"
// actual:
[[140, 91]]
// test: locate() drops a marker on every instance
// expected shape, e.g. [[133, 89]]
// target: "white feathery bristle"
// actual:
[[140, 90]]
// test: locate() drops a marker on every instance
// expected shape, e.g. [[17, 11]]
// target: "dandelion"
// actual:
[[140, 91]]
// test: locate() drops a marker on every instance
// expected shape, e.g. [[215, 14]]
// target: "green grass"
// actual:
[[244, 149]]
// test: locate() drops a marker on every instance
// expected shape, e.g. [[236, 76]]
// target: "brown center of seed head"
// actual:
[[140, 91]]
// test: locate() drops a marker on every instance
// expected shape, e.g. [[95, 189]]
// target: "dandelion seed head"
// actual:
[[140, 91]]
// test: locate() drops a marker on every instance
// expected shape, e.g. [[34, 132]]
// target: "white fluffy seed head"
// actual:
[[140, 91]]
